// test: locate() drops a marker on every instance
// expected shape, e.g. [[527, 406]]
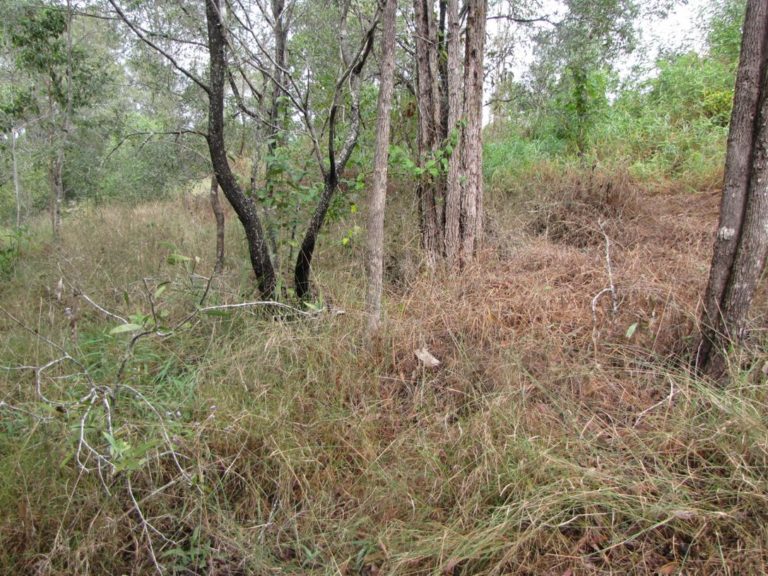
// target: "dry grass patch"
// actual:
[[546, 442]]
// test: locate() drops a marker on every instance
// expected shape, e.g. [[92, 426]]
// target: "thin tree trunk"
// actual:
[[379, 184], [219, 215], [336, 163], [57, 192], [455, 113], [741, 139], [430, 114], [16, 180], [244, 206], [472, 200]]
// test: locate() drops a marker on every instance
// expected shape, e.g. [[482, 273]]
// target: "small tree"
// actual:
[[379, 185], [741, 244]]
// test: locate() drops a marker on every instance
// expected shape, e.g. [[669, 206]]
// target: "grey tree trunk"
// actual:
[[16, 180], [455, 114], [429, 103], [740, 245], [455, 229], [56, 182], [218, 213], [472, 200], [377, 204]]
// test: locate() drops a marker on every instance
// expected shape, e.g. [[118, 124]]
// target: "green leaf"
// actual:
[[631, 330], [160, 290], [126, 328], [177, 259]]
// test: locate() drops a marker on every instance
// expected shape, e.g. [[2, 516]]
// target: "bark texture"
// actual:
[[472, 193], [218, 213], [16, 180], [450, 200], [740, 244], [377, 203], [244, 206], [336, 161], [455, 114], [430, 190]]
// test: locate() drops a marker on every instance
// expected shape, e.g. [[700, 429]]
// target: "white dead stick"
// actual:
[[611, 289]]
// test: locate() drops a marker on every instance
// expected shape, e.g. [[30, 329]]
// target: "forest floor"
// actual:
[[562, 432]]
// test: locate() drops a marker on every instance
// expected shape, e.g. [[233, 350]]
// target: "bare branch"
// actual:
[[158, 49]]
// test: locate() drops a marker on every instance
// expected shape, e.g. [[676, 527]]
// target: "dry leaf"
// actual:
[[426, 358], [669, 568]]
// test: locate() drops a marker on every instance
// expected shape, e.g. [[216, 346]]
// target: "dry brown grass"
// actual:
[[546, 442]]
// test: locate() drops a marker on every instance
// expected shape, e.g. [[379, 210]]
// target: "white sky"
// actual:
[[682, 29]]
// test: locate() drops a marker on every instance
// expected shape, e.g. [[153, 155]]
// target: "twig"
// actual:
[[101, 309], [258, 303], [145, 525], [667, 398]]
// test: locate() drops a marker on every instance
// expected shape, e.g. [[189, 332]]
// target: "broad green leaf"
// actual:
[[126, 328]]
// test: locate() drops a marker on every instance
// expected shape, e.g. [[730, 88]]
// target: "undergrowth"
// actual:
[[557, 436]]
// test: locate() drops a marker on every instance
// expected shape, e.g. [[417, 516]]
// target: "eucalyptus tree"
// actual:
[[575, 55], [375, 258], [741, 244], [42, 43], [242, 44], [58, 76], [449, 52]]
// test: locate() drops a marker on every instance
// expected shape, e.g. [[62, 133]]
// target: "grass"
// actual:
[[546, 442]]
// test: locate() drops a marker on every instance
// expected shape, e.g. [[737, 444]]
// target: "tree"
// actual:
[[450, 184], [43, 41], [741, 243], [235, 48], [379, 185], [59, 77]]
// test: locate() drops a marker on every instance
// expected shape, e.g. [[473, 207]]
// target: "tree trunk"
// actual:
[[16, 180], [336, 162], [455, 229], [472, 201], [455, 114], [244, 206], [56, 182], [379, 184], [277, 109], [741, 161], [219, 215], [430, 114]]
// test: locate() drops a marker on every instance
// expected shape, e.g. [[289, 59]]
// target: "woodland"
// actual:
[[367, 287]]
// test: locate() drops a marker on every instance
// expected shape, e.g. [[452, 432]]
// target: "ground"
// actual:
[[555, 437]]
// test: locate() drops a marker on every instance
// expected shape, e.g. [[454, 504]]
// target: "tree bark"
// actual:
[[218, 213], [455, 114], [244, 206], [472, 201], [739, 173], [455, 229], [16, 180], [377, 205], [336, 162], [430, 114], [55, 167]]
